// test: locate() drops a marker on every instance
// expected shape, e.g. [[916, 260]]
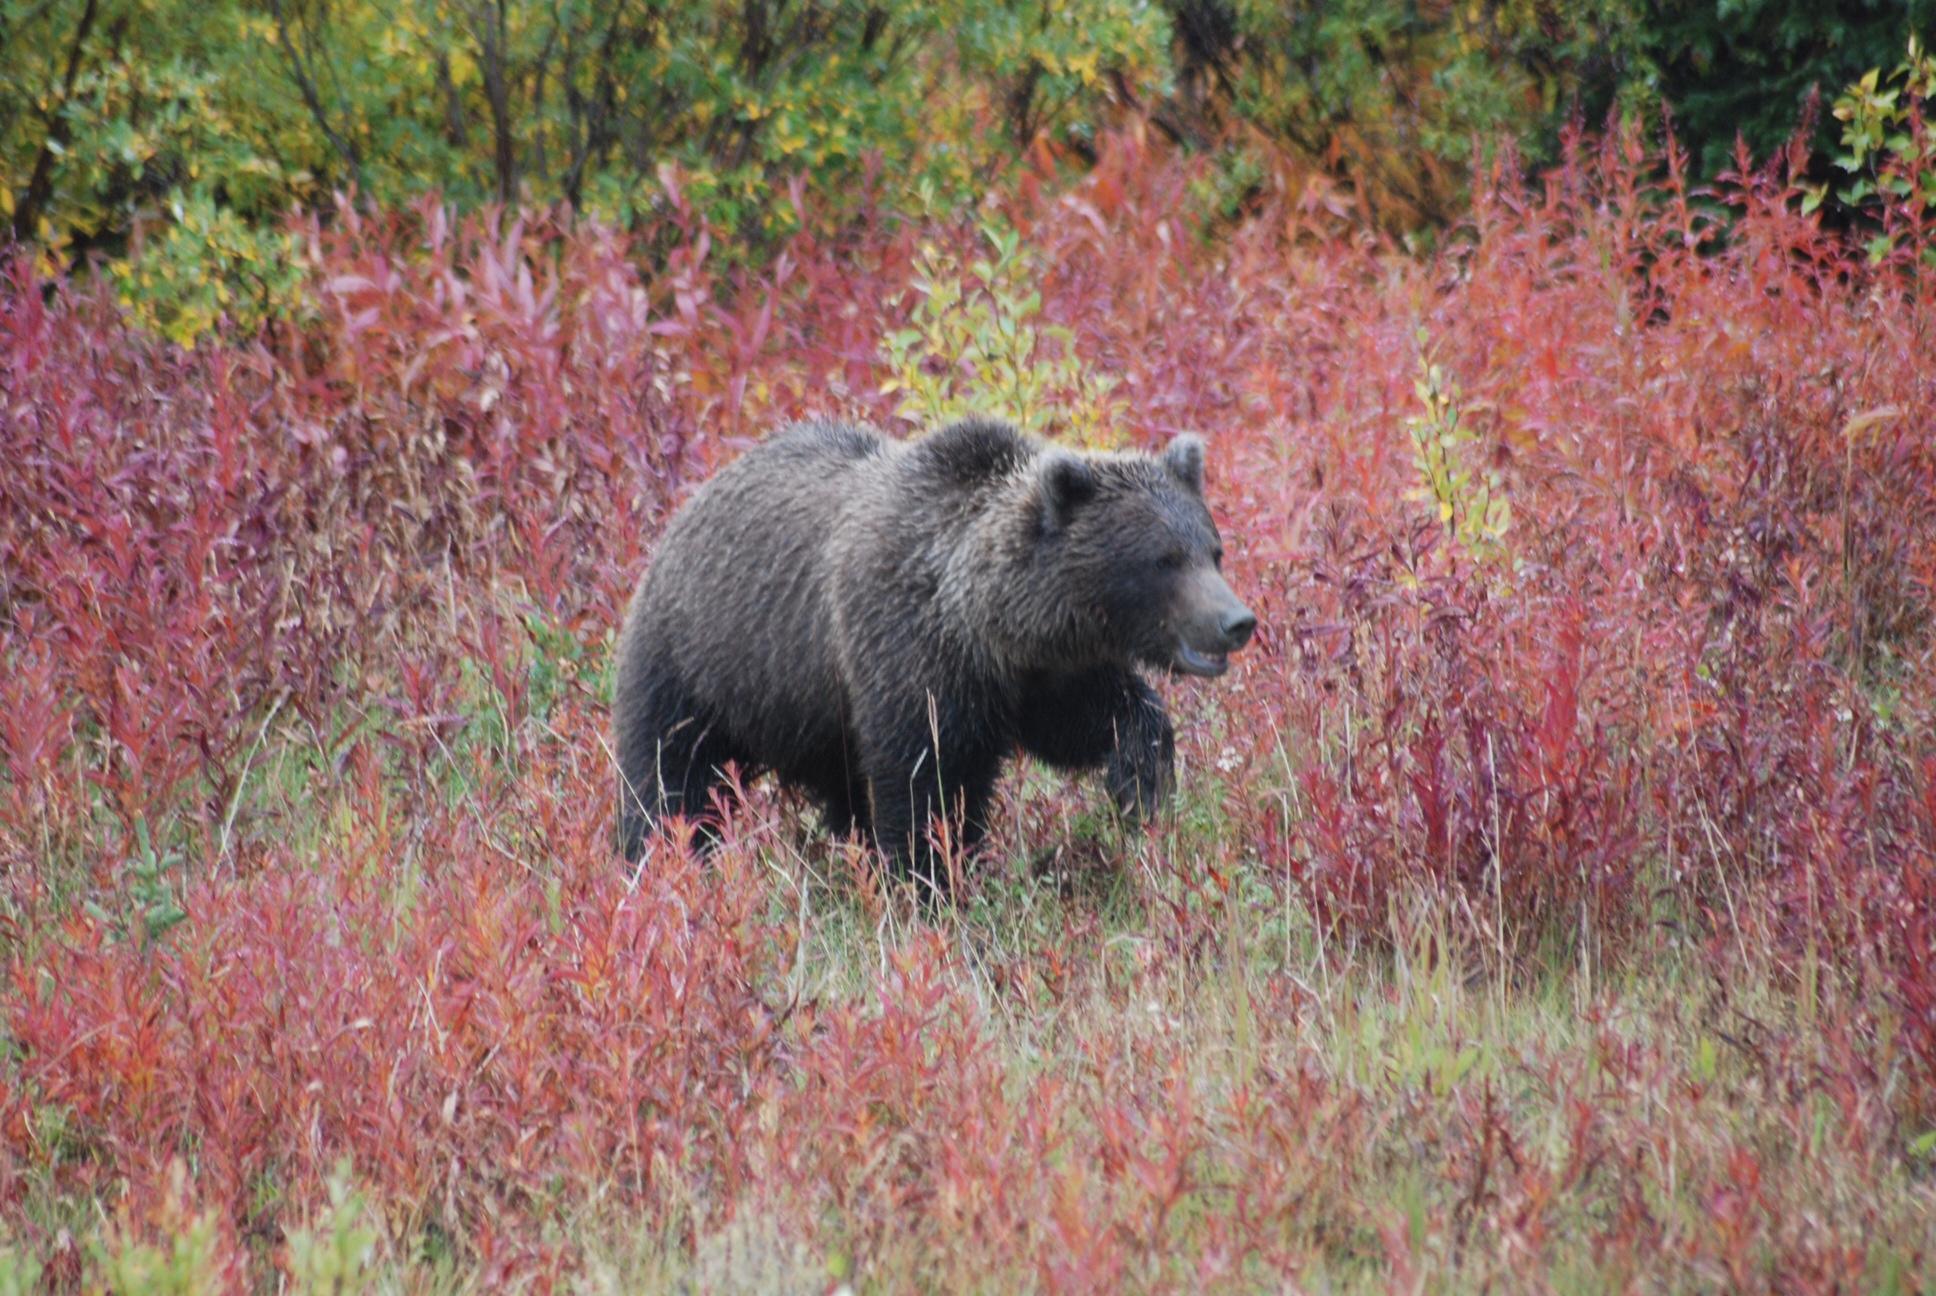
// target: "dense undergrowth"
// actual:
[[1551, 902]]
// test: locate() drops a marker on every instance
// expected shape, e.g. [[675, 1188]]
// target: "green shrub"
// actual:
[[1746, 69], [334, 1256], [1888, 153], [187, 131], [1391, 96]]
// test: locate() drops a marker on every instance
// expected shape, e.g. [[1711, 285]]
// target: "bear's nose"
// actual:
[[1237, 626]]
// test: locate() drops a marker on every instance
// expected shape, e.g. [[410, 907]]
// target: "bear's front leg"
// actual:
[[930, 774], [1106, 717]]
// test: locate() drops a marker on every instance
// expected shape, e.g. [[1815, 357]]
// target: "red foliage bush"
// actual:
[[472, 1044]]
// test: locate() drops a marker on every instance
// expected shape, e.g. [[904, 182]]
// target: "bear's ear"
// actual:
[[1184, 459], [1066, 481]]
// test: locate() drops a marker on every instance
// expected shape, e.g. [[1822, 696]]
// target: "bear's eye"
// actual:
[[1171, 560], [1216, 558]]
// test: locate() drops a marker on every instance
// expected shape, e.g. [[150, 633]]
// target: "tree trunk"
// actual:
[[40, 186]]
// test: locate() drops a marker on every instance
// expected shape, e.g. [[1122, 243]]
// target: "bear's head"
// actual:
[[1137, 558]]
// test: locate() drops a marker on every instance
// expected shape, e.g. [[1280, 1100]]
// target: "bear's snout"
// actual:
[[1212, 623], [1237, 627]]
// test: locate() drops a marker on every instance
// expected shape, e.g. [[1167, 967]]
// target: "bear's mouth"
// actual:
[[1188, 661]]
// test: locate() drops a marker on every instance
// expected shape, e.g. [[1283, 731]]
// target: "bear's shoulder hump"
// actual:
[[830, 438], [976, 449]]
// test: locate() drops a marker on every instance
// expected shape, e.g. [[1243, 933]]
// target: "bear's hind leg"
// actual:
[[843, 805], [670, 763]]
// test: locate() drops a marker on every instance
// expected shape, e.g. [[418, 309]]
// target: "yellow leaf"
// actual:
[[1861, 423]]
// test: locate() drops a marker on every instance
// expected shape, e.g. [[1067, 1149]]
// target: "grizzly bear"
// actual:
[[880, 624]]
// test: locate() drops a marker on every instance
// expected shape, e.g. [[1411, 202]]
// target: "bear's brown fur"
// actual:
[[880, 624]]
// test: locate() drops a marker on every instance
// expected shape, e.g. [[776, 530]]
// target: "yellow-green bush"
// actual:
[[976, 344]]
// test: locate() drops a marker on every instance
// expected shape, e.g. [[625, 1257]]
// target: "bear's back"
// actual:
[[825, 441], [734, 604]]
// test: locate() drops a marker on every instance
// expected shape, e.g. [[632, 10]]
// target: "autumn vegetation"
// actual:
[[1550, 899]]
